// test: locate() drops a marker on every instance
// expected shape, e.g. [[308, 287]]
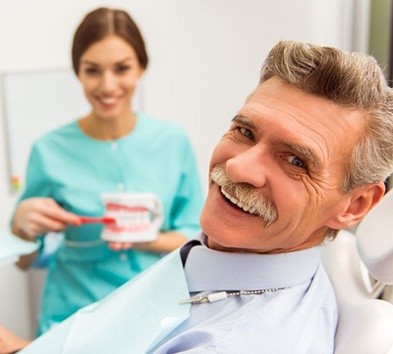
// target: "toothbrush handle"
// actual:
[[92, 220]]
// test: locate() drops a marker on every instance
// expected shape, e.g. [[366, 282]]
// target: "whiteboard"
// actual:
[[36, 102]]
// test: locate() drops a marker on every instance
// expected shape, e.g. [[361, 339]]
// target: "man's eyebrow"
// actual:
[[306, 152], [243, 120]]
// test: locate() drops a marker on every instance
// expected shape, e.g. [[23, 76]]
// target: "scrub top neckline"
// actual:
[[123, 138]]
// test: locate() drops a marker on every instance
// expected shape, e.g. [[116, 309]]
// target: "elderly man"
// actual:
[[306, 156]]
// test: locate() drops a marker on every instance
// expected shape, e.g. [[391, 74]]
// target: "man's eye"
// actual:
[[295, 161], [247, 133]]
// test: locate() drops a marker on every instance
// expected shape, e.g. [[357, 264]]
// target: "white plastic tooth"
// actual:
[[252, 210], [240, 204]]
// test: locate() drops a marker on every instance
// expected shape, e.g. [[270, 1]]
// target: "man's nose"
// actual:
[[250, 166]]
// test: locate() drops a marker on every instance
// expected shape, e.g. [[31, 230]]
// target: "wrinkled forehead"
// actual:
[[300, 118], [278, 94]]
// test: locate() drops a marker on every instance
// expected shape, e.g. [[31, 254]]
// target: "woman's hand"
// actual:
[[36, 216], [10, 342]]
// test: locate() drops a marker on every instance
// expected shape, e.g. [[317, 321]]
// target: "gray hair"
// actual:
[[352, 80]]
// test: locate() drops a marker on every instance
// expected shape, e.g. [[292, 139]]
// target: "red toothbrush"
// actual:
[[92, 220]]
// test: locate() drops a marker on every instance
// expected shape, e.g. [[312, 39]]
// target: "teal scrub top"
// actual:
[[74, 169]]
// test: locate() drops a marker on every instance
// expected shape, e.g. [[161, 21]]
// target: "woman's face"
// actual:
[[109, 71]]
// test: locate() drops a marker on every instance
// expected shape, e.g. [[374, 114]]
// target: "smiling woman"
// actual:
[[109, 71], [113, 149]]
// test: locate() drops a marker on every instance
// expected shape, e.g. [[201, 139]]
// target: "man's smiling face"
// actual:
[[276, 175]]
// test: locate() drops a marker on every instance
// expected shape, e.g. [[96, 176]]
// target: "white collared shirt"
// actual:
[[301, 318]]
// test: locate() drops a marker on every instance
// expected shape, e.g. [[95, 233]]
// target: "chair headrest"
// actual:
[[374, 239]]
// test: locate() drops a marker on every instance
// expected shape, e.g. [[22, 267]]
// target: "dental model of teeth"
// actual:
[[133, 223], [130, 221]]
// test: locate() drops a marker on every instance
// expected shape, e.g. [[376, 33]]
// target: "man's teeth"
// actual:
[[238, 203], [228, 196]]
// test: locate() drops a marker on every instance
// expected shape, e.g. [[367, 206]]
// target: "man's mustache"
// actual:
[[252, 201]]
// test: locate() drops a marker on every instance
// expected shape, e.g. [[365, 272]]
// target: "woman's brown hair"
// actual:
[[103, 22]]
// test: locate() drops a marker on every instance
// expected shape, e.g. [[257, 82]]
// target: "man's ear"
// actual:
[[361, 201]]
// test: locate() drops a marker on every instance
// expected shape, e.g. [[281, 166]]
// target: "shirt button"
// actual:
[[123, 257], [120, 186], [114, 146]]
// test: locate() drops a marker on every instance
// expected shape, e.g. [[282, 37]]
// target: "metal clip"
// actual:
[[197, 299]]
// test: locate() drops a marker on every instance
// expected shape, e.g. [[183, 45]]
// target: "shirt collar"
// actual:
[[210, 270]]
